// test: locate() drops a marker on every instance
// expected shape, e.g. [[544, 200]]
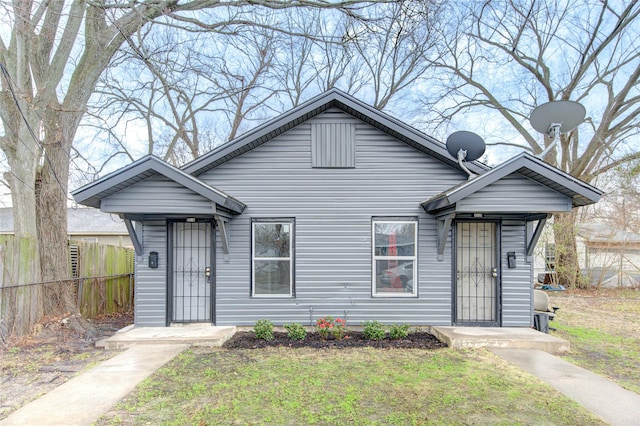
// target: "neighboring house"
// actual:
[[335, 208], [83, 224], [607, 257]]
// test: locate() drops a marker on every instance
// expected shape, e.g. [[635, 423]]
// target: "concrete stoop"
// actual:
[[500, 337], [192, 334]]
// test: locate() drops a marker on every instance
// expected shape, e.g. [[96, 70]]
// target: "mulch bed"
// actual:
[[417, 340]]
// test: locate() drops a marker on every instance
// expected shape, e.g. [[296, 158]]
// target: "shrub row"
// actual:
[[333, 327], [374, 330]]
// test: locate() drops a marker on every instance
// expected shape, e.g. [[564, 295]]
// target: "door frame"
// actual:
[[170, 265], [454, 284]]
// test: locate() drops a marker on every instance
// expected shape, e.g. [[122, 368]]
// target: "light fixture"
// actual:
[[191, 219]]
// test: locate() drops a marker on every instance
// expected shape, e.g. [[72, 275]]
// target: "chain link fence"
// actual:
[[24, 306], [102, 282]]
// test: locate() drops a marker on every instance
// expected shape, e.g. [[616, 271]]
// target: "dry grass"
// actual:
[[603, 327]]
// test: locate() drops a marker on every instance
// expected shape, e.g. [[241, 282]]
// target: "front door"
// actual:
[[191, 285], [476, 289]]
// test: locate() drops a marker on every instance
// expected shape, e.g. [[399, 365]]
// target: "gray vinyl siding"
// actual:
[[157, 195], [151, 288], [333, 209], [515, 193], [517, 284]]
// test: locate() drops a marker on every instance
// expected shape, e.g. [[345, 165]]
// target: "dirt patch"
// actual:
[[33, 365], [417, 340]]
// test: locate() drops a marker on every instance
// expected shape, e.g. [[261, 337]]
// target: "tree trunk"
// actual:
[[51, 217], [567, 265]]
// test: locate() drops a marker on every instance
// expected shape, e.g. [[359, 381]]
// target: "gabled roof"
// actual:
[[527, 165], [79, 221], [605, 233], [333, 98], [93, 193]]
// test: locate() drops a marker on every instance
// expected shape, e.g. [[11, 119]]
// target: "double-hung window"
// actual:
[[272, 257], [395, 257]]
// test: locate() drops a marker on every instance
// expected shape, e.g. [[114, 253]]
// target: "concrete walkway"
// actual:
[[606, 399], [83, 399]]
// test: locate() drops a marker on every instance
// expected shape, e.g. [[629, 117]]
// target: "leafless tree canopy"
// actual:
[[194, 90], [510, 56]]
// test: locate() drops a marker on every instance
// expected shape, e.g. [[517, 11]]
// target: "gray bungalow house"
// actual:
[[335, 208]]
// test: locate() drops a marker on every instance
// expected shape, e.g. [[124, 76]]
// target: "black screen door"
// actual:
[[191, 299], [476, 274]]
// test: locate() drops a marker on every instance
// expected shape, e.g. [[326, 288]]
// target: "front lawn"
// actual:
[[359, 386]]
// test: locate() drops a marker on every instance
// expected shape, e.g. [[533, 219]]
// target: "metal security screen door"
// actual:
[[191, 273], [476, 287]]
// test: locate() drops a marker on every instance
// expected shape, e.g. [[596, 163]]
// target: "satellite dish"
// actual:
[[556, 117], [463, 145], [469, 142], [566, 114]]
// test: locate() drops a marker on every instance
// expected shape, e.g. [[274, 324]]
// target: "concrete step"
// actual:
[[190, 334], [500, 337]]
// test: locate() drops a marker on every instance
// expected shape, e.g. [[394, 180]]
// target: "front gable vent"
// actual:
[[333, 145]]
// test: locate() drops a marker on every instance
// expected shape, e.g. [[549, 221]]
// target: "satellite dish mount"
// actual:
[[465, 146], [555, 118]]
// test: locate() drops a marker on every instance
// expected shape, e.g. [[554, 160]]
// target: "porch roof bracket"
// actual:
[[444, 225], [533, 240], [137, 245], [221, 224]]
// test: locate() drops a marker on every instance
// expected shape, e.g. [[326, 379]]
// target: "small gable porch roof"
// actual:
[[524, 187], [579, 193], [149, 167]]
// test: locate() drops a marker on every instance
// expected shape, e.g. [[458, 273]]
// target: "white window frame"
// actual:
[[375, 258], [290, 258]]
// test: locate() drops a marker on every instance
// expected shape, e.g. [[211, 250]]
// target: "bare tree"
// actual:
[[52, 57], [308, 66], [394, 48], [620, 207], [189, 96], [167, 87], [508, 56], [246, 75]]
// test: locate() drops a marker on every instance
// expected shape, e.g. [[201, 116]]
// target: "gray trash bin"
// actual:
[[541, 322]]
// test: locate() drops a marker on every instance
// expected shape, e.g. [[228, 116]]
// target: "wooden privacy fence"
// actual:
[[102, 279], [105, 278]]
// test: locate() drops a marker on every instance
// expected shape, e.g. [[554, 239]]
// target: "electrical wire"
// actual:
[[10, 84]]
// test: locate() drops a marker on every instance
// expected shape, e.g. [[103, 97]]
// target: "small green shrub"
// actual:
[[296, 331], [398, 331], [373, 330], [264, 329]]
